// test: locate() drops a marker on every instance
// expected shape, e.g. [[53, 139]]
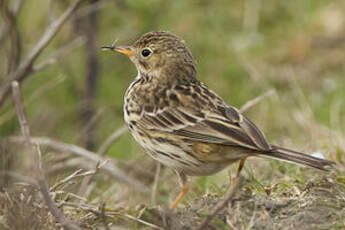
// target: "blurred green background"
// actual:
[[295, 50], [243, 48]]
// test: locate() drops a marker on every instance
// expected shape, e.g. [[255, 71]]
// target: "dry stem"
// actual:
[[110, 168], [256, 100], [36, 163], [25, 67], [111, 139]]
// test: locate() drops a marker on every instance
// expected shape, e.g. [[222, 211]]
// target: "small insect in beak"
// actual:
[[108, 48], [126, 50], [112, 47]]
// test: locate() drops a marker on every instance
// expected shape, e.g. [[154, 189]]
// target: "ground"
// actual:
[[282, 60]]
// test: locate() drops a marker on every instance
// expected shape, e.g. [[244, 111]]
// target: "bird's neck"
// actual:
[[169, 76]]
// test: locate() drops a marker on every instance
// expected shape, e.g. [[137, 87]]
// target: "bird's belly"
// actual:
[[165, 151], [177, 157]]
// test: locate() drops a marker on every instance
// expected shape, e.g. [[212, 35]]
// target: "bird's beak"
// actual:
[[126, 50]]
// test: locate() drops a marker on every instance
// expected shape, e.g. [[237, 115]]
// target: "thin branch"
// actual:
[[110, 168], [66, 179], [77, 174], [41, 66], [21, 114], [97, 212], [58, 53], [111, 139], [61, 218], [18, 5], [84, 185], [155, 183], [92, 121], [136, 219], [76, 43], [12, 31], [71, 163], [7, 27], [256, 100], [104, 217], [36, 156], [25, 67], [68, 196]]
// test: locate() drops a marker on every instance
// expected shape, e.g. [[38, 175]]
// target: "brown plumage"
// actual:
[[183, 124]]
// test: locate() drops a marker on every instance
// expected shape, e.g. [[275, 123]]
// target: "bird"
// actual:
[[183, 124]]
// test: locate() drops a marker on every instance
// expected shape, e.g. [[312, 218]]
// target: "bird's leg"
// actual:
[[240, 167], [184, 189]]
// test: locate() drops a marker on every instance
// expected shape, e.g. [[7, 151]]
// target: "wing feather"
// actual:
[[220, 124]]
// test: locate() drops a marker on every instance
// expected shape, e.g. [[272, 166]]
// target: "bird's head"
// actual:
[[160, 54]]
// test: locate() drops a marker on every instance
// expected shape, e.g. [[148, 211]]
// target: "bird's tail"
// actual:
[[298, 158]]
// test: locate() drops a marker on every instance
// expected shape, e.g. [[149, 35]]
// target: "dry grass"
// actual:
[[272, 195], [243, 50]]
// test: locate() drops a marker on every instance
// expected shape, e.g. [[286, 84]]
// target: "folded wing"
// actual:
[[220, 124]]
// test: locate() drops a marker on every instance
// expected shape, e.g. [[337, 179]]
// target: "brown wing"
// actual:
[[200, 116]]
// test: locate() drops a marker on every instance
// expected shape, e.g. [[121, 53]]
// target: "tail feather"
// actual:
[[298, 158]]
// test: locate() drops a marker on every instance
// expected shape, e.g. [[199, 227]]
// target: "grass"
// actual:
[[293, 47]]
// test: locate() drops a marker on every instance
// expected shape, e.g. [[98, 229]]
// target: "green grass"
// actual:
[[282, 52]]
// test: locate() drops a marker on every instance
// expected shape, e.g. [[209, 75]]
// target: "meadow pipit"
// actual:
[[183, 124]]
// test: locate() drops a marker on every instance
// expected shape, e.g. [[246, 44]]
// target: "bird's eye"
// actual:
[[146, 52]]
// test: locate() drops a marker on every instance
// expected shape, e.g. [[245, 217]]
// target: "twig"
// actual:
[[76, 43], [6, 27], [87, 126], [83, 188], [58, 53], [43, 65], [25, 67], [221, 204], [252, 219], [155, 183], [66, 179], [110, 168], [72, 163], [70, 194], [60, 217], [231, 225], [39, 174], [11, 30], [21, 115], [103, 216], [256, 100], [136, 219], [96, 212], [111, 139]]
